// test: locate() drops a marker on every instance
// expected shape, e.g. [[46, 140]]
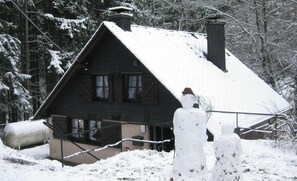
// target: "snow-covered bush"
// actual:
[[286, 134]]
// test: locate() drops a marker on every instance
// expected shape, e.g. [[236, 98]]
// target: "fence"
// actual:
[[239, 130]]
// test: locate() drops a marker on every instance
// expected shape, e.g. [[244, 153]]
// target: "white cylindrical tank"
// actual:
[[25, 133]]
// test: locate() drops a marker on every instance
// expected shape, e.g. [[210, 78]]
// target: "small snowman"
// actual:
[[227, 148], [190, 135]]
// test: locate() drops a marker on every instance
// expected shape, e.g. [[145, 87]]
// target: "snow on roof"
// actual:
[[177, 59]]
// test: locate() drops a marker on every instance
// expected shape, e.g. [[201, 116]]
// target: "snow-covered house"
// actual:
[[128, 79]]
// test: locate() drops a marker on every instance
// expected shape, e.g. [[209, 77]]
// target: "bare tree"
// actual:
[[264, 36]]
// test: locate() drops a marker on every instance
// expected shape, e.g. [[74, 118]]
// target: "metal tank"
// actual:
[[25, 133]]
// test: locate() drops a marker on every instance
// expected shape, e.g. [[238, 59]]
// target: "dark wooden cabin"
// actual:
[[107, 88], [126, 83]]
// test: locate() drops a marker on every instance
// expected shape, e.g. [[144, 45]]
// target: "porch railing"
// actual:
[[238, 129]]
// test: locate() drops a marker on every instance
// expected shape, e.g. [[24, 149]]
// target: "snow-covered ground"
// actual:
[[259, 160]]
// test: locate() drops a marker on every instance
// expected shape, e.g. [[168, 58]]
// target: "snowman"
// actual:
[[227, 148], [190, 135]]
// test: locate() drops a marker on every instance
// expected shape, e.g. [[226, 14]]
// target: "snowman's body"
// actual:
[[190, 136], [228, 150]]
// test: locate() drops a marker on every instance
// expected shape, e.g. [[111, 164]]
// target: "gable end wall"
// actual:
[[110, 57]]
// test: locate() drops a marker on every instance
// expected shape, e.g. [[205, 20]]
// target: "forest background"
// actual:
[[39, 39]]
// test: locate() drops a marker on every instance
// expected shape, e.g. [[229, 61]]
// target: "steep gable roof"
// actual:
[[177, 59]]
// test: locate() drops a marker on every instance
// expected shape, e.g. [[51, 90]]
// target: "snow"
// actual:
[[9, 46], [260, 162], [55, 62], [3, 86], [69, 25], [120, 8], [25, 127]]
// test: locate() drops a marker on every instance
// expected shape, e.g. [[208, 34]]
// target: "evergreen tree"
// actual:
[[57, 31], [15, 101], [51, 33], [14, 98]]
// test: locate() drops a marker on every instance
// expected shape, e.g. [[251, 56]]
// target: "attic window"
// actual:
[[133, 87], [101, 87]]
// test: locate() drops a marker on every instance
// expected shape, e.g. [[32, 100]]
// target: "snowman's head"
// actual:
[[228, 128], [187, 101]]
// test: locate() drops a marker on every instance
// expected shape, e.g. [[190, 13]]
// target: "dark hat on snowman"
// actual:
[[188, 90]]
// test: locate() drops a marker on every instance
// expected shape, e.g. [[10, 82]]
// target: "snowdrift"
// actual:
[[25, 133], [261, 162]]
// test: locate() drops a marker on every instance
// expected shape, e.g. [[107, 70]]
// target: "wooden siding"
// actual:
[[110, 57]]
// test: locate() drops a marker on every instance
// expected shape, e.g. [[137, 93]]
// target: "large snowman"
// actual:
[[190, 135]]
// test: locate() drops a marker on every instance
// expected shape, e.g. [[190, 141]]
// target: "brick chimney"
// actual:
[[216, 43], [121, 16]]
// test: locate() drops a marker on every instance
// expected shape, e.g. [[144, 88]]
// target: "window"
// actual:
[[95, 130], [133, 87], [101, 86], [77, 128]]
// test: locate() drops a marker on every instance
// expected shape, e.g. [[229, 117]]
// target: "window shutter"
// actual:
[[86, 87], [59, 123], [110, 87], [118, 88], [150, 90], [110, 133]]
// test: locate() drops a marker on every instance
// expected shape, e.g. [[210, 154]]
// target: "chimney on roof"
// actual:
[[216, 43], [121, 16]]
